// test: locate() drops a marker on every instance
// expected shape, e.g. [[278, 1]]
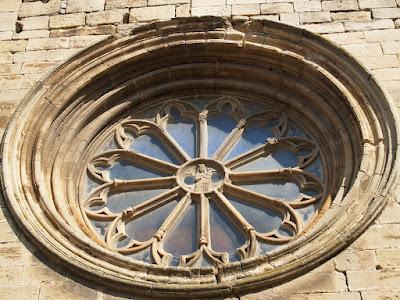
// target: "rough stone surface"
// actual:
[[47, 43], [370, 25], [106, 17], [67, 21], [356, 260], [303, 6], [152, 13], [84, 6], [110, 4], [276, 8], [369, 269], [338, 5], [374, 280], [315, 17], [386, 13], [351, 16], [32, 23], [97, 30], [39, 8], [376, 3], [223, 10]]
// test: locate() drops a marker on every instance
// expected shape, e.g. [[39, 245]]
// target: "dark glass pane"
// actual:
[[120, 201], [100, 227], [183, 238], [308, 212], [143, 255], [124, 169], [252, 137], [316, 168], [183, 130], [281, 158], [219, 128], [109, 145], [144, 227], [90, 185], [275, 188], [123, 243], [263, 219], [295, 131], [152, 146], [266, 247], [203, 262], [285, 232], [225, 237]]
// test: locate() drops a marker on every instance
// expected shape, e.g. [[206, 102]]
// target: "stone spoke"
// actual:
[[230, 141], [150, 205], [173, 217], [204, 221], [203, 134], [232, 211]]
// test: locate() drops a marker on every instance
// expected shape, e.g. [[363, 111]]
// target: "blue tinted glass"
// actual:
[[252, 137], [123, 243], [219, 128], [110, 145], [90, 185], [285, 232], [265, 247], [183, 238], [316, 168], [308, 212], [144, 255], [225, 237], [275, 188], [281, 158], [151, 146], [263, 219], [144, 227], [100, 227], [118, 202], [124, 169], [183, 130], [295, 131]]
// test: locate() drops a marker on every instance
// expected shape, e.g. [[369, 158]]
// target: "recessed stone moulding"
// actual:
[[201, 156]]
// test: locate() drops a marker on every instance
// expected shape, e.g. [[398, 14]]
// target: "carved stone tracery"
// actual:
[[59, 134], [209, 179]]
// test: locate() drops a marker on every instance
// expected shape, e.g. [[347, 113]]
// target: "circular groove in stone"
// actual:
[[78, 101]]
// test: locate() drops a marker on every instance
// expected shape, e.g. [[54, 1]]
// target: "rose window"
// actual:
[[200, 157], [204, 183]]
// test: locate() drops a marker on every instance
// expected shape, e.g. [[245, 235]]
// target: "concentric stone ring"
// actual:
[[79, 144]]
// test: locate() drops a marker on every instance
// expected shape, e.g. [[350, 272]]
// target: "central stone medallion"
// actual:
[[201, 176]]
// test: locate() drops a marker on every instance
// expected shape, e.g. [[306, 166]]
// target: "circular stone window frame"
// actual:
[[38, 156]]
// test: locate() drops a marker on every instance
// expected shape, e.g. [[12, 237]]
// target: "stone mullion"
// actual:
[[246, 157], [153, 163], [259, 176], [143, 160], [203, 134], [149, 205], [230, 141], [250, 248], [233, 212], [142, 184], [265, 201], [173, 217], [255, 198], [298, 175], [173, 145], [204, 221]]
